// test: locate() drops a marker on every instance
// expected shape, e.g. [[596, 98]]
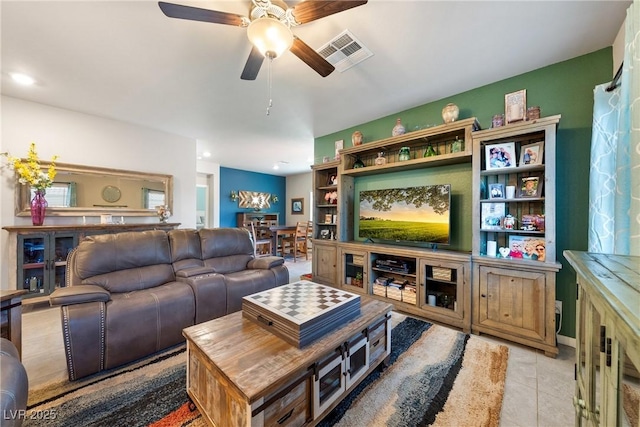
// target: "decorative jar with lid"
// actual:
[[404, 154], [398, 129], [380, 160], [457, 145]]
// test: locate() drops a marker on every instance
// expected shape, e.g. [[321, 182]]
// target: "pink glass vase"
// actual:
[[38, 208]]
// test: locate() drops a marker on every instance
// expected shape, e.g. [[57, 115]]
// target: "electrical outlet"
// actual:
[[558, 307]]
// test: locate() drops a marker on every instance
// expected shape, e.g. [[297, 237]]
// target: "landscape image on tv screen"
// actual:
[[413, 214]]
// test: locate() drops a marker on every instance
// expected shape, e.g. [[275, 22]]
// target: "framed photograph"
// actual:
[[328, 218], [339, 146], [492, 214], [500, 156], [530, 186], [515, 106], [297, 206], [496, 191], [527, 247], [531, 154]]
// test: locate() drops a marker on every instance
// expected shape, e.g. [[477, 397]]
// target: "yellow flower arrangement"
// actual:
[[29, 171]]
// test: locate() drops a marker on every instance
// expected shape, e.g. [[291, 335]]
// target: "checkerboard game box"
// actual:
[[301, 312]]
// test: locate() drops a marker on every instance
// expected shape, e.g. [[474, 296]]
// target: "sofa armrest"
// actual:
[[265, 263], [79, 295], [194, 271]]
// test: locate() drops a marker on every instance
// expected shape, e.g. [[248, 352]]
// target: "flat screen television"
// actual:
[[413, 214]]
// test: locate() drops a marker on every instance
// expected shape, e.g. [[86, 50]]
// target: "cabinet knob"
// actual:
[[483, 295]]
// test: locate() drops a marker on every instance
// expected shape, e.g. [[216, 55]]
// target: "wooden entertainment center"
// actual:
[[510, 296]]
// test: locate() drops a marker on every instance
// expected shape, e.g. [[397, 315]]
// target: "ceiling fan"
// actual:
[[269, 28]]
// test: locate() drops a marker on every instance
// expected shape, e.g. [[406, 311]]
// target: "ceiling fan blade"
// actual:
[[311, 57], [252, 67], [197, 14], [311, 10]]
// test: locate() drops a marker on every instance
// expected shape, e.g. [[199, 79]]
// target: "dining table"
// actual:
[[277, 233]]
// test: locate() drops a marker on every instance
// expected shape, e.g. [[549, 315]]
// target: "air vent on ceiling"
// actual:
[[344, 51]]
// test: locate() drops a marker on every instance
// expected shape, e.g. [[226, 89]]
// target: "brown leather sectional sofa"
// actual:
[[129, 295]]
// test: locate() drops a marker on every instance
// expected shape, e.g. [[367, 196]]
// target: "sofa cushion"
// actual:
[[14, 385], [133, 279], [185, 248], [112, 252], [246, 282], [226, 250], [143, 322]]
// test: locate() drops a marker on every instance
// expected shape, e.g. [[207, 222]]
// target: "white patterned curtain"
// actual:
[[614, 184]]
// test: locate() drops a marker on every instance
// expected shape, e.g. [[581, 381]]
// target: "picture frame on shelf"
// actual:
[[527, 247], [339, 146], [492, 214], [496, 191], [515, 106], [531, 154], [530, 186], [500, 156], [328, 219], [297, 206]]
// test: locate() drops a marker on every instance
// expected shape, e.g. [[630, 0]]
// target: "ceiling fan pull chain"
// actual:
[[269, 84]]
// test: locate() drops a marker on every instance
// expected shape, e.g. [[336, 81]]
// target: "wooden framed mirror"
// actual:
[[86, 190]]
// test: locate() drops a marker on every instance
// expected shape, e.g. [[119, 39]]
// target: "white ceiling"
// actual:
[[125, 60]]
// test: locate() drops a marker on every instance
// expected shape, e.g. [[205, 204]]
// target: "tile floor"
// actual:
[[538, 390]]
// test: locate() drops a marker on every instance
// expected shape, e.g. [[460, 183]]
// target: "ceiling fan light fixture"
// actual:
[[270, 36]]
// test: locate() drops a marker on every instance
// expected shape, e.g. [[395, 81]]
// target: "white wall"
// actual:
[[299, 186], [84, 139], [618, 49]]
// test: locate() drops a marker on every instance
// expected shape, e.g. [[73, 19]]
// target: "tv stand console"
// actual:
[[435, 285]]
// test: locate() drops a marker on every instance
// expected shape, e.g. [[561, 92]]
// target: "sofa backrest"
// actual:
[[123, 262], [185, 248], [226, 250]]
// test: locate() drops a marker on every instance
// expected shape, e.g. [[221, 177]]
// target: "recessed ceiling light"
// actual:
[[206, 154], [22, 79], [276, 167]]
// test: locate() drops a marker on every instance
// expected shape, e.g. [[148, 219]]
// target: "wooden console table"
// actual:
[[240, 374], [11, 309], [607, 334]]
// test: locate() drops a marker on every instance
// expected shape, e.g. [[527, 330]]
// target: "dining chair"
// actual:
[[296, 243], [262, 246]]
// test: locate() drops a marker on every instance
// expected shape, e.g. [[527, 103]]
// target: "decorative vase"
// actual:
[[497, 121], [38, 208], [429, 152], [398, 129], [358, 163], [404, 154], [356, 138], [450, 113], [380, 160]]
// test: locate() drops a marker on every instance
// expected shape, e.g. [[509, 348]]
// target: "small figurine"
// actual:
[[380, 160], [509, 222]]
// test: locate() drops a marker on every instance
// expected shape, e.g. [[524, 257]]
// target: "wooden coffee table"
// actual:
[[239, 374]]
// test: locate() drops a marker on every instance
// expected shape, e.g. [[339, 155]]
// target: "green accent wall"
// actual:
[[564, 88]]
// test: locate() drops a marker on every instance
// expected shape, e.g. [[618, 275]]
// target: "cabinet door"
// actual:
[[324, 263], [61, 245], [33, 252], [512, 301]]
